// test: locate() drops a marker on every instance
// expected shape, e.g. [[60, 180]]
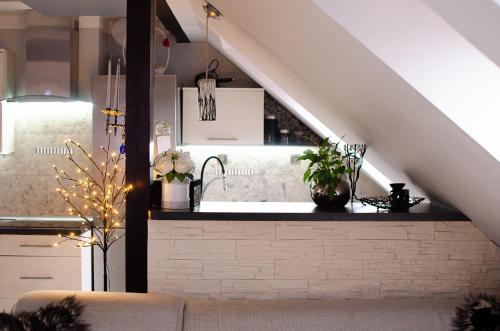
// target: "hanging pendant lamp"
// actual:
[[206, 86]]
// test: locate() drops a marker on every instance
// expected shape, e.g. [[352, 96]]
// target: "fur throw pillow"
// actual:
[[478, 313], [61, 316]]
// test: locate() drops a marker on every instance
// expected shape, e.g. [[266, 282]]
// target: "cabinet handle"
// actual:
[[228, 139], [37, 277], [36, 245]]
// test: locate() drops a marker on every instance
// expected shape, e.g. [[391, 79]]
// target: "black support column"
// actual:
[[140, 35]]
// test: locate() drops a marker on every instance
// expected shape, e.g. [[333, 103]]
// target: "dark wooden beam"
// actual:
[[139, 96], [167, 17]]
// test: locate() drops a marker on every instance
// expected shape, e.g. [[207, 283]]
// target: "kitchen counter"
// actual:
[[39, 225], [273, 250], [306, 211]]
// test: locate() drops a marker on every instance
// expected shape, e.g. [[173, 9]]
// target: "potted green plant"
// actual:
[[326, 175]]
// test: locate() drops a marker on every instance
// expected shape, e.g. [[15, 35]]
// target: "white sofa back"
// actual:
[[127, 311], [116, 311], [319, 315]]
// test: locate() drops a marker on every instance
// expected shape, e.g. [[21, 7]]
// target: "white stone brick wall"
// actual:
[[278, 259]]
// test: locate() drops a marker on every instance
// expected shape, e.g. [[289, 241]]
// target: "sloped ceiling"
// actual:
[[331, 79], [478, 21]]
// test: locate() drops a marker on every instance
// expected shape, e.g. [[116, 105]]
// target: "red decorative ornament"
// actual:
[[166, 42]]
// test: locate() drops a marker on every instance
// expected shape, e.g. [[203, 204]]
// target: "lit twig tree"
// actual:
[[96, 193]]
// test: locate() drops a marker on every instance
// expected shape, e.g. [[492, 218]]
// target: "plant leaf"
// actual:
[[307, 173], [170, 176], [181, 177]]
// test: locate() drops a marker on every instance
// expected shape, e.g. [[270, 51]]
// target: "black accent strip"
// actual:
[[266, 211], [139, 95]]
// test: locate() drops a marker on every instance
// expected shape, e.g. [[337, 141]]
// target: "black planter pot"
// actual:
[[319, 195]]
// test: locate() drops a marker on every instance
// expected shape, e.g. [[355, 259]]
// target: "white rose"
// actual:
[[164, 165], [171, 154], [185, 156], [182, 166]]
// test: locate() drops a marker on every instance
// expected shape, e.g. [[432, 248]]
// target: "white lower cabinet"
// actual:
[[30, 263]]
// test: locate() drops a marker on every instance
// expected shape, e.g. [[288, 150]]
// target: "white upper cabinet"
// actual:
[[6, 75], [239, 121], [7, 117], [3, 73]]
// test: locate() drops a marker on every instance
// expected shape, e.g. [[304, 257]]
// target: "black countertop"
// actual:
[[305, 211], [39, 225]]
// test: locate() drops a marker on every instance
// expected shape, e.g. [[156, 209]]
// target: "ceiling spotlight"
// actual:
[[211, 11]]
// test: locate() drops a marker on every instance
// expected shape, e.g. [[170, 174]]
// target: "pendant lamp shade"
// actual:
[[206, 99], [206, 86]]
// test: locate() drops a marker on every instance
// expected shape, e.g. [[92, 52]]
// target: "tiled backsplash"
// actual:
[[261, 173], [27, 183]]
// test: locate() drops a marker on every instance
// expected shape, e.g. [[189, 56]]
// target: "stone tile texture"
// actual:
[[270, 260], [27, 183]]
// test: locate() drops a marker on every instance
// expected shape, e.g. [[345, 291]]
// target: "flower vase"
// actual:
[[175, 195]]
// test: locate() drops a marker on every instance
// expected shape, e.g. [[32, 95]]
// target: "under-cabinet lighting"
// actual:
[[7, 129], [48, 109], [19, 114]]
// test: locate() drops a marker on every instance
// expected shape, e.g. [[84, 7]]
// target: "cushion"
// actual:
[[304, 315], [110, 311]]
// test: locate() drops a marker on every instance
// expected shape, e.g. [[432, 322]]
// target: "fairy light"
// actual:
[[96, 193]]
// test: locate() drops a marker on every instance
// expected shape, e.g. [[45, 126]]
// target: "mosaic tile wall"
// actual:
[[286, 120], [27, 183]]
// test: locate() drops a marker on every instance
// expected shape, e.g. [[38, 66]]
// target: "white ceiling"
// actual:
[[304, 57]]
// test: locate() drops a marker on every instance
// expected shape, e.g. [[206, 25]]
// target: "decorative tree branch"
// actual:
[[356, 153], [97, 197]]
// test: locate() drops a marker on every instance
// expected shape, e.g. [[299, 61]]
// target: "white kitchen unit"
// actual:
[[6, 74], [6, 91], [239, 121], [30, 262]]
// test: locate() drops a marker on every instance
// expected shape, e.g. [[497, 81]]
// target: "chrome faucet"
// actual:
[[224, 178]]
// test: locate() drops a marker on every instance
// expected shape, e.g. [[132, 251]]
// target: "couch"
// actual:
[[132, 311]]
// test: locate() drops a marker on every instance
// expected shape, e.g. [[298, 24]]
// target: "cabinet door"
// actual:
[[21, 274], [36, 245], [240, 118], [3, 73]]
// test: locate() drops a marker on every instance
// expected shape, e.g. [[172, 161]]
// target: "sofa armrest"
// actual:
[[116, 311]]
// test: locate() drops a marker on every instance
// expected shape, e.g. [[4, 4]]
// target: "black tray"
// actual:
[[384, 202]]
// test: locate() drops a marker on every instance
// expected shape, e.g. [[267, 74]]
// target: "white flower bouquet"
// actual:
[[173, 165]]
